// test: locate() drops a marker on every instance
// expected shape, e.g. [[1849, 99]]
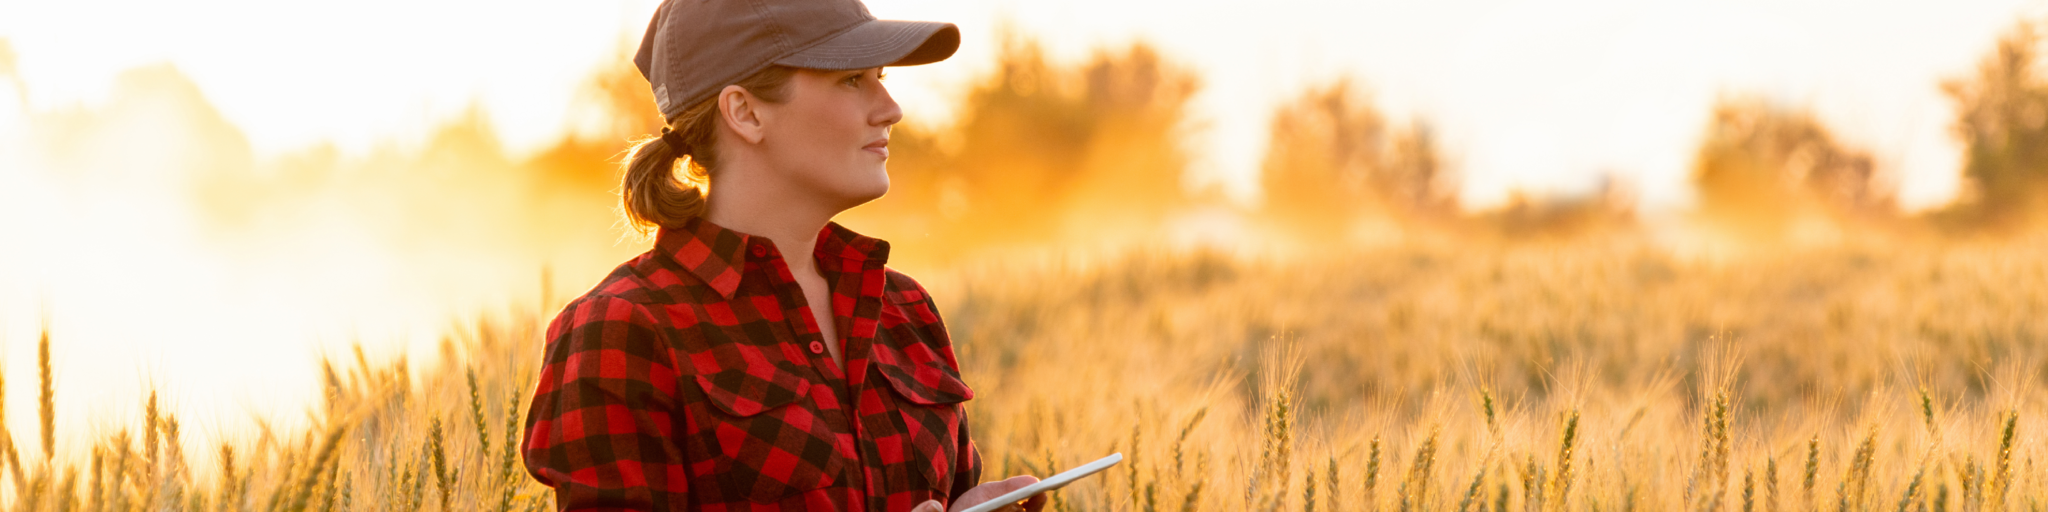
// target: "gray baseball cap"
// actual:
[[693, 48]]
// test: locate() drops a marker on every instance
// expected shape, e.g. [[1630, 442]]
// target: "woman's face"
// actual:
[[832, 136]]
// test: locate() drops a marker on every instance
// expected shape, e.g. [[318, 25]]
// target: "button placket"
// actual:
[[797, 308]]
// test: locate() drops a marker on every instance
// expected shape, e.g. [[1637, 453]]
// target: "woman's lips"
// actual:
[[879, 147]]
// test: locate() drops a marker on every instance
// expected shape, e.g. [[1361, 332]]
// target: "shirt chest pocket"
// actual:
[[766, 438], [927, 394]]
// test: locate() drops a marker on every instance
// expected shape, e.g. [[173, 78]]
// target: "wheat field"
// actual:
[[1544, 354], [1592, 375]]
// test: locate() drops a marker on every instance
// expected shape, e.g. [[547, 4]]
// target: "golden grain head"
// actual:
[[1610, 443]]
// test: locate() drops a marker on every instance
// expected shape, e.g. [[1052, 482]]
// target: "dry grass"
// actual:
[[1597, 375], [1591, 376], [377, 442]]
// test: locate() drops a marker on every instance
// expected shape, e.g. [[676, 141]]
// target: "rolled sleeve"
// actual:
[[967, 471], [599, 429]]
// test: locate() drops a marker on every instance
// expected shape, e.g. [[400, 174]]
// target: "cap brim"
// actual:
[[880, 43]]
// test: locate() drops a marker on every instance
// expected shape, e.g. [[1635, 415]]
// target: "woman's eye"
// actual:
[[853, 80]]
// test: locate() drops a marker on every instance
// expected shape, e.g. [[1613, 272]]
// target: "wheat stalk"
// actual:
[[1372, 473], [304, 487], [1812, 469], [1562, 485], [1186, 429], [1193, 501], [1856, 480], [1330, 479], [150, 421], [509, 455], [2001, 475], [1927, 410], [1308, 492], [476, 411], [1748, 489], [174, 448], [1131, 470], [49, 398], [1472, 490], [1913, 488], [1771, 484], [1486, 405], [1533, 483], [230, 494], [440, 458], [1415, 488], [1709, 482]]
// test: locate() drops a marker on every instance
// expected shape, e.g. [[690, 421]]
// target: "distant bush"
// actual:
[[1333, 161], [2002, 121], [1041, 152], [1764, 168]]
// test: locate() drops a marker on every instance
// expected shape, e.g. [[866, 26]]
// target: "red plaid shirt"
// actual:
[[694, 377]]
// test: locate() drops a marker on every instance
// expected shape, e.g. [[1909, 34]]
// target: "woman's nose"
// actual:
[[888, 112]]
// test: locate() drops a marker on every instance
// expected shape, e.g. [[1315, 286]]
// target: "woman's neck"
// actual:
[[792, 223]]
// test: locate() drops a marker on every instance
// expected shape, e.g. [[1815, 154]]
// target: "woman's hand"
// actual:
[[989, 491]]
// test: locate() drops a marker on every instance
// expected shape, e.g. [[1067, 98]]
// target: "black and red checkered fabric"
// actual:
[[694, 378]]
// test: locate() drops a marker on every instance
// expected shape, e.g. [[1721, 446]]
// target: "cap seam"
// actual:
[[821, 40], [781, 37], [893, 40]]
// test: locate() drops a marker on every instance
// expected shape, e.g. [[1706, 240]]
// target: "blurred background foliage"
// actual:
[[1093, 153], [1767, 170], [1334, 163], [1043, 153], [2002, 120]]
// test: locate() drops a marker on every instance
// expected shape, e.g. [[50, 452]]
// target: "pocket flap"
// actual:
[[757, 387], [925, 380]]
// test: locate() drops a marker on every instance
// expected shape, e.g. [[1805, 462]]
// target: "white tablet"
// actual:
[[1054, 482]]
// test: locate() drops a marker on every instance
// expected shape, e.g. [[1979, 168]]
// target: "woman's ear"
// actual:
[[738, 110]]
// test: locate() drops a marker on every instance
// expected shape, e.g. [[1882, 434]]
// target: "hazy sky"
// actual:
[[1542, 95]]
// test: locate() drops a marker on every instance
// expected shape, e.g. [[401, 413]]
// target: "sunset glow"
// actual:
[[130, 130]]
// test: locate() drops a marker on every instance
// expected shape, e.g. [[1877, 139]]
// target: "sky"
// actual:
[[1549, 97], [1544, 96]]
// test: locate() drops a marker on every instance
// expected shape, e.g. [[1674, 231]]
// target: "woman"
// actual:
[[760, 357]]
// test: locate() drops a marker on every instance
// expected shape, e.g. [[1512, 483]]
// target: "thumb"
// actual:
[[929, 506]]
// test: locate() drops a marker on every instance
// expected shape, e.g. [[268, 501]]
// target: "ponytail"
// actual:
[[651, 195]]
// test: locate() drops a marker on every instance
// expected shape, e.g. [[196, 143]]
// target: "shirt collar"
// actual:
[[717, 255]]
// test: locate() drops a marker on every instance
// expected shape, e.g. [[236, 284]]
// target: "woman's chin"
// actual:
[[856, 196], [875, 187], [870, 197]]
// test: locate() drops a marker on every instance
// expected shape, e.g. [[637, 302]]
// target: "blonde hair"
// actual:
[[650, 194]]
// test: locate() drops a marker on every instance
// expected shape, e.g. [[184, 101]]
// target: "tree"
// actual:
[[1761, 168], [1332, 161], [1041, 153], [2002, 121]]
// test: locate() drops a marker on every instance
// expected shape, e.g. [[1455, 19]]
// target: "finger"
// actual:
[[1036, 503], [1017, 482], [929, 506], [1032, 504]]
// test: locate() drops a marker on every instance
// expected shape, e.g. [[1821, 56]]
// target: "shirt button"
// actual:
[[760, 250], [817, 347]]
